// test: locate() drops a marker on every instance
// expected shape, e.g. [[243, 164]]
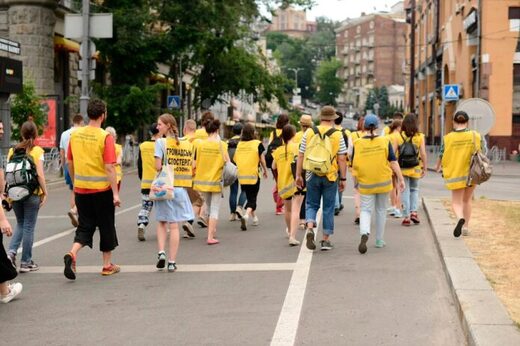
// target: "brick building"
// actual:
[[456, 42], [292, 22], [371, 49]]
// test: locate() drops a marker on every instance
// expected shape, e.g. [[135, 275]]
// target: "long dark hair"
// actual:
[[248, 132], [288, 133], [282, 120], [395, 124], [28, 132], [409, 126]]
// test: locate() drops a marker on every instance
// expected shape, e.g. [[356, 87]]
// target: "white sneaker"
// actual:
[[14, 290], [140, 232], [398, 214], [239, 212], [293, 242], [255, 221], [243, 222], [232, 217], [465, 232], [73, 218]]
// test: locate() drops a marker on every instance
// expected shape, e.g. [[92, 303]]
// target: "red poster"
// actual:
[[48, 137]]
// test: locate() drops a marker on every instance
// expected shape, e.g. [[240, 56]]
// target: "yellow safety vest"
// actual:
[[200, 134], [210, 162], [417, 140], [386, 130], [284, 156], [335, 139], [371, 166], [119, 170], [87, 145], [180, 156], [147, 150], [458, 148], [298, 137], [247, 159]]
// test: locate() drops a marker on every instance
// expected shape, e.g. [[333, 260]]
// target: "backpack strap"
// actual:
[[330, 132]]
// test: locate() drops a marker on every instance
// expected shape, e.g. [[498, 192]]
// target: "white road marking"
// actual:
[[287, 326], [231, 267], [72, 230]]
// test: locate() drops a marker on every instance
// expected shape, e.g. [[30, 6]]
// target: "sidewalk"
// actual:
[[500, 169], [484, 318]]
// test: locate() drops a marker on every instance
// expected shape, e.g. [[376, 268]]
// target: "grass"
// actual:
[[495, 243]]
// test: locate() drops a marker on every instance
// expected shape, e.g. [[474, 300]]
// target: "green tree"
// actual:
[[384, 103], [25, 104], [329, 84], [371, 99], [131, 57]]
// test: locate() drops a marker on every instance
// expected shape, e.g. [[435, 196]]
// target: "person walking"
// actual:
[[8, 291], [305, 123], [171, 213], [324, 184], [274, 142], [454, 159], [236, 210], [395, 197], [354, 136], [373, 161], [208, 162], [92, 158], [119, 156], [338, 206], [26, 210], [410, 196], [77, 122], [249, 157], [146, 172], [284, 162]]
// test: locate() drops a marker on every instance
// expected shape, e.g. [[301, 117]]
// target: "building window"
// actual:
[[516, 89], [514, 18]]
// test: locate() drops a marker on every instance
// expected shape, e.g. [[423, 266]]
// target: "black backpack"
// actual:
[[232, 147], [275, 143], [21, 178], [408, 154]]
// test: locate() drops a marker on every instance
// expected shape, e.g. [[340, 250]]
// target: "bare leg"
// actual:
[[457, 202], [174, 241], [212, 228], [4, 289], [357, 202], [466, 203], [107, 258], [287, 214], [161, 235], [296, 204]]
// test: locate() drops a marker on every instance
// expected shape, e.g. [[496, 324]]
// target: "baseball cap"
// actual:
[[371, 120]]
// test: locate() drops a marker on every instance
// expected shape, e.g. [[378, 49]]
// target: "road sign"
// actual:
[[100, 25], [450, 92], [9, 46], [481, 114], [174, 102]]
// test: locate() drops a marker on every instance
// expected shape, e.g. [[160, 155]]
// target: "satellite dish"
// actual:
[[481, 114]]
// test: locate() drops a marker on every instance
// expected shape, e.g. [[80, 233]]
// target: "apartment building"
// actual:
[[292, 22], [472, 43], [371, 49]]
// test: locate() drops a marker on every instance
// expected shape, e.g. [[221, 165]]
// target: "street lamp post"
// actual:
[[295, 70]]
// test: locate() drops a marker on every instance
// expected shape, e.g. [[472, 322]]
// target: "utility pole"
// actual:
[[85, 61], [411, 101], [295, 70]]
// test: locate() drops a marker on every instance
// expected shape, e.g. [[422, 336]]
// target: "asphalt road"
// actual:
[[252, 289]]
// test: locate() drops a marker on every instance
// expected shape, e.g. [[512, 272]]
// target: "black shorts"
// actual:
[[7, 270], [96, 210]]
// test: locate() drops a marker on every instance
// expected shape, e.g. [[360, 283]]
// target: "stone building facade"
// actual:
[[371, 50], [450, 50], [49, 60], [292, 22]]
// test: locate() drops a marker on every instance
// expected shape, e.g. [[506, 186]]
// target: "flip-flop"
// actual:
[[458, 229]]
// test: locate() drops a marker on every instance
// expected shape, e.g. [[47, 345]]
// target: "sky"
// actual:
[[342, 9]]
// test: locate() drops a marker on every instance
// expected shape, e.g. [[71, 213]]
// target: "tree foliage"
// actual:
[[379, 96], [25, 104], [329, 84]]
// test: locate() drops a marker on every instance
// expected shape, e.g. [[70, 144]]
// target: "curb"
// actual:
[[485, 320]]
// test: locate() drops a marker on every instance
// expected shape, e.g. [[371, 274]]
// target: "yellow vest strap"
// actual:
[[207, 183], [287, 189], [455, 180], [372, 186], [84, 178]]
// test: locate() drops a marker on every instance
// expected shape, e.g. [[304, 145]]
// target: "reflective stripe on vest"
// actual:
[[88, 146], [371, 167], [210, 162], [206, 183], [458, 148], [247, 160], [373, 186], [287, 189]]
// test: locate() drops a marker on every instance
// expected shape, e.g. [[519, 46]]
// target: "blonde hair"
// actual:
[[169, 120], [112, 132]]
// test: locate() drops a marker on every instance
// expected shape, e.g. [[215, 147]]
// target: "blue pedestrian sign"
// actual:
[[174, 102], [450, 92]]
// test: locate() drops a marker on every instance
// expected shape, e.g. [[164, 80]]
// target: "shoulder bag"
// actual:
[[162, 185], [229, 171], [480, 168]]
